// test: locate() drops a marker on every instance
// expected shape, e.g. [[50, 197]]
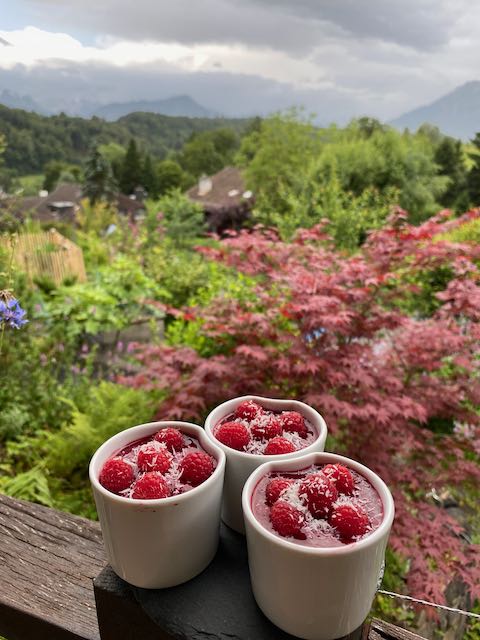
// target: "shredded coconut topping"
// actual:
[[260, 423], [318, 531], [173, 475]]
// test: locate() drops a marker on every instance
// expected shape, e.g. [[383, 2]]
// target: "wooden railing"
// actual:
[[48, 563]]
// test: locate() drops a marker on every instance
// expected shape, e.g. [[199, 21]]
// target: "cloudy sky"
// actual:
[[339, 58]]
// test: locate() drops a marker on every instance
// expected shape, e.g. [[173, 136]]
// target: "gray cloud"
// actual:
[[292, 25], [421, 24], [189, 22], [73, 87], [377, 57]]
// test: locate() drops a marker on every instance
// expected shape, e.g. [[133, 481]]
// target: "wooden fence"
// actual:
[[48, 254]]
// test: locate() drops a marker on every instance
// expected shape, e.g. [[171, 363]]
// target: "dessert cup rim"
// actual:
[[302, 463], [228, 406], [149, 428]]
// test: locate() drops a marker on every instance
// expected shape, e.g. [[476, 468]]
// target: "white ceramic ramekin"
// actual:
[[315, 593], [240, 464], [159, 543]]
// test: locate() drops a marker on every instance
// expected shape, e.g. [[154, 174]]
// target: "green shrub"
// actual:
[[115, 297], [31, 396], [350, 217], [30, 485], [51, 466], [222, 284], [182, 219], [13, 419], [467, 232]]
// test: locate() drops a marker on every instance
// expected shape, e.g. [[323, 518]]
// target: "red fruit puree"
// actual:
[[321, 506], [167, 463], [254, 429]]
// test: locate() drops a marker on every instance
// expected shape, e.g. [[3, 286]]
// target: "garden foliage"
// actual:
[[400, 391]]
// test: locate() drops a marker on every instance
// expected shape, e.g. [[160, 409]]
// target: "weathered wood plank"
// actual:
[[386, 631], [47, 562]]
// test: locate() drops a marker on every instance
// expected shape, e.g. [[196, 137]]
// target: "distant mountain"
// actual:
[[174, 106], [456, 114], [16, 101]]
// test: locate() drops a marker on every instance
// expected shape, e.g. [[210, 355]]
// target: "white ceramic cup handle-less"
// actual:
[[159, 543], [239, 465], [315, 593]]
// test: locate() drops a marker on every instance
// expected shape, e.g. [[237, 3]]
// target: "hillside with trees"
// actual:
[[34, 140]]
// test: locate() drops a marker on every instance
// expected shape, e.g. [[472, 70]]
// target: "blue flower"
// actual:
[[12, 314]]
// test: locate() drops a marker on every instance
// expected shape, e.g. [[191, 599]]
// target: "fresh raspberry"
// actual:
[[294, 422], [154, 457], [341, 478], [247, 410], [279, 445], [275, 488], [318, 493], [350, 521], [172, 438], [233, 434], [116, 475], [265, 427], [151, 486], [287, 520], [196, 467]]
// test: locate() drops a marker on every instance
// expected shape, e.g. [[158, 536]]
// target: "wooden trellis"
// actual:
[[48, 254]]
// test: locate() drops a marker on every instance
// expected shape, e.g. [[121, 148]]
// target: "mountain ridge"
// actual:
[[456, 113], [177, 106], [14, 100]]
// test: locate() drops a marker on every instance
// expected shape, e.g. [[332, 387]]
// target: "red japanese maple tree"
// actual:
[[343, 333]]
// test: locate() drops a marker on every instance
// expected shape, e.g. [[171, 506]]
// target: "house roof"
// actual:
[[64, 193], [126, 204], [227, 191], [63, 201]]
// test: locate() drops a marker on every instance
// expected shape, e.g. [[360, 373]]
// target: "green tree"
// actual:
[[275, 155], [226, 142], [115, 154], [183, 219], [386, 159], [368, 126], [149, 176], [199, 156], [450, 159], [51, 172], [98, 182], [131, 174], [473, 179], [169, 176], [57, 171]]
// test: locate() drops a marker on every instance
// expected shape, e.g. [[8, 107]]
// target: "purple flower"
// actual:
[[12, 314]]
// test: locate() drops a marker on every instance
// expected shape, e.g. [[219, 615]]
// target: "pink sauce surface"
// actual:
[[258, 446], [318, 532], [173, 476]]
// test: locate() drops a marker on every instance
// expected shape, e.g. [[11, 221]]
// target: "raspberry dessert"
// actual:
[[165, 464], [255, 429], [321, 506]]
